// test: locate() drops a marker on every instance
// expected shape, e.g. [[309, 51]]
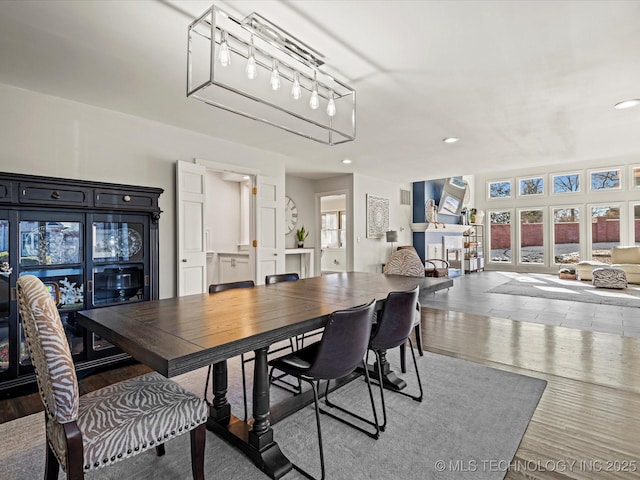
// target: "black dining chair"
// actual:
[[393, 329], [405, 261], [280, 381], [339, 352], [221, 287], [281, 277], [291, 277]]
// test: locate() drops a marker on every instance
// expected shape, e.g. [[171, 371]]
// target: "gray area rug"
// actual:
[[468, 426], [552, 287]]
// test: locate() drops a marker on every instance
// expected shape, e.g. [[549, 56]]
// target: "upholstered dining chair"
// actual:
[[406, 261], [393, 329], [221, 287], [339, 352], [85, 433]]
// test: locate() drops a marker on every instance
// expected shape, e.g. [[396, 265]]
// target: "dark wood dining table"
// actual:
[[181, 334]]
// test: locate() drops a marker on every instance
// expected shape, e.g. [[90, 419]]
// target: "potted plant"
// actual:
[[301, 235]]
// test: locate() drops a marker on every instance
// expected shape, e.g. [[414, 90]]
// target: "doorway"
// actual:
[[334, 233], [228, 229]]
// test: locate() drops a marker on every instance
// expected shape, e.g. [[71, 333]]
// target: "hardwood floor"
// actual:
[[13, 407], [587, 424]]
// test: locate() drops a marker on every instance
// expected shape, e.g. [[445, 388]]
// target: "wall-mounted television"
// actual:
[[452, 197]]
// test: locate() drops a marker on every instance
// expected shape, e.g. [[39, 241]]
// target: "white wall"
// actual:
[[300, 190], [44, 135], [371, 253]]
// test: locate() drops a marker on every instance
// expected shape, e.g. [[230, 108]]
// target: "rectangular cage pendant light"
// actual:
[[256, 69]]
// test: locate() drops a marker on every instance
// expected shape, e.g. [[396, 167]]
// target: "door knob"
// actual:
[[184, 260]]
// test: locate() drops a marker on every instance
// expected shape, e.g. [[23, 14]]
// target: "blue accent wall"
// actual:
[[418, 216], [423, 191]]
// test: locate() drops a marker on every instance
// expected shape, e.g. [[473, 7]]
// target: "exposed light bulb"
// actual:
[[331, 106], [627, 104], [296, 90], [225, 55], [314, 101], [275, 76], [251, 69]]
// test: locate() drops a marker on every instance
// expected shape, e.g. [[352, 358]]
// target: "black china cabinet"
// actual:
[[93, 244]]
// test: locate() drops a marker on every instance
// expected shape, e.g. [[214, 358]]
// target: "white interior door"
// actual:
[[192, 255], [270, 257]]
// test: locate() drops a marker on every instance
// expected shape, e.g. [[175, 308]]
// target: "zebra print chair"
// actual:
[[107, 425]]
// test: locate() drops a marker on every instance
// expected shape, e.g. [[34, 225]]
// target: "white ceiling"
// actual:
[[521, 83]]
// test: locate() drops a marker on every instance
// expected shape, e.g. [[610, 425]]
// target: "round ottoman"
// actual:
[[585, 267], [608, 277]]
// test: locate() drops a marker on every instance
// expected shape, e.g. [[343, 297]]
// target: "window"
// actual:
[[500, 189], [531, 236], [606, 179], [566, 183], [635, 223], [635, 176], [500, 236], [566, 235], [605, 231], [531, 186], [333, 233]]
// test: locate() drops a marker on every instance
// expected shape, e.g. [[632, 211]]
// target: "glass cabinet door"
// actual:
[[118, 258], [119, 263], [52, 250], [5, 294]]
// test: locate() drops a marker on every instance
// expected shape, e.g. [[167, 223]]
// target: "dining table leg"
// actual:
[[254, 438], [220, 409], [389, 378], [267, 454]]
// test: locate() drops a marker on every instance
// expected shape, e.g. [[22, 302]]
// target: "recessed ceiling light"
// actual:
[[627, 104], [346, 161], [450, 139]]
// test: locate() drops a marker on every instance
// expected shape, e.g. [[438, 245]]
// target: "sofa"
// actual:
[[625, 258]]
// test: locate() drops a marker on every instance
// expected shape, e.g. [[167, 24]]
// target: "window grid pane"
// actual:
[[500, 236], [531, 236], [566, 235]]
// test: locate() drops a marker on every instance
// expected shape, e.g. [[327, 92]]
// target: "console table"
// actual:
[[306, 260]]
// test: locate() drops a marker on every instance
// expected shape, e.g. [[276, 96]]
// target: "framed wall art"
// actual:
[[377, 216]]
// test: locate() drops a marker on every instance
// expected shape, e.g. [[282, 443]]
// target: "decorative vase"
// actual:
[[430, 211], [300, 244]]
